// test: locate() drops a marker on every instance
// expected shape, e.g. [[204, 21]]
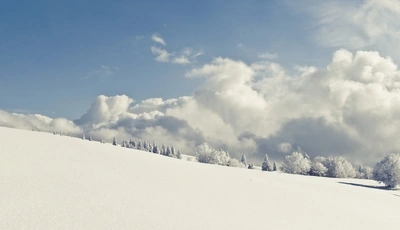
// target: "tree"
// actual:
[[163, 150], [364, 172], [83, 137], [266, 165], [155, 149], [168, 152], [179, 155], [244, 160], [145, 146], [250, 166], [114, 141], [206, 154], [296, 163], [387, 170], [139, 145], [235, 163], [90, 138], [339, 167], [318, 169], [274, 168], [173, 151]]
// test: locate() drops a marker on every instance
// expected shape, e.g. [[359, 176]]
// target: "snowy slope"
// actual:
[[58, 182]]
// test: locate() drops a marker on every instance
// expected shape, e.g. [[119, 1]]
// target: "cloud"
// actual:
[[184, 57], [161, 54], [38, 122], [158, 39], [356, 24], [350, 108], [268, 55]]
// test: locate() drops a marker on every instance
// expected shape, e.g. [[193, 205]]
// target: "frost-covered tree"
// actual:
[[83, 137], [145, 146], [250, 166], [339, 167], [90, 138], [139, 145], [266, 165], [155, 149], [364, 172], [132, 143], [206, 154], [233, 162], [114, 141], [179, 155], [296, 163], [173, 151], [387, 170], [163, 150], [123, 144], [318, 169], [244, 160], [274, 168], [168, 152]]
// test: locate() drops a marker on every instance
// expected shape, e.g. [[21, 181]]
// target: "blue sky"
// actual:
[[57, 56]]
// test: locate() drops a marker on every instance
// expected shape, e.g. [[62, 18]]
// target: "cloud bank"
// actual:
[[350, 108]]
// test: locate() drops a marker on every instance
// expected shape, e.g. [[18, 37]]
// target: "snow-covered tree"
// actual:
[[139, 145], [296, 163], [233, 162], [250, 166], [145, 146], [339, 167], [168, 152], [387, 170], [206, 154], [163, 150], [318, 169], [274, 168], [123, 144], [155, 149], [244, 160], [114, 141], [179, 155], [173, 151], [83, 137], [364, 172], [266, 165], [90, 138], [132, 143]]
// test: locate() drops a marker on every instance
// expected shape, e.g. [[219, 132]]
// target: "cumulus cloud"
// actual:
[[158, 39], [38, 122], [356, 24], [350, 108]]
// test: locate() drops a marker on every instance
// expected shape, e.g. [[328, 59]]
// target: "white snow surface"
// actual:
[[59, 182]]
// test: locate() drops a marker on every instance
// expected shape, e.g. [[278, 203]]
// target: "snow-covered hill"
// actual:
[[59, 182]]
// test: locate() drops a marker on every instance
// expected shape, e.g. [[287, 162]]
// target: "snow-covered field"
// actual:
[[59, 182]]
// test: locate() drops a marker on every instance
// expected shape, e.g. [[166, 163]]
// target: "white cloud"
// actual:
[[356, 24], [158, 39], [182, 60], [349, 108], [268, 55], [161, 54]]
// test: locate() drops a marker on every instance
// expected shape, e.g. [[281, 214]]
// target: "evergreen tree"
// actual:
[[90, 138], [244, 160], [83, 137], [173, 153], [163, 150], [145, 146], [155, 149], [114, 141], [168, 152], [266, 165], [139, 145], [179, 155], [274, 167]]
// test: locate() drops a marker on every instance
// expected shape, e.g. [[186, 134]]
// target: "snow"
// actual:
[[59, 182]]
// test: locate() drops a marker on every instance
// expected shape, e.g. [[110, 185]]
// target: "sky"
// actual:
[[253, 77]]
